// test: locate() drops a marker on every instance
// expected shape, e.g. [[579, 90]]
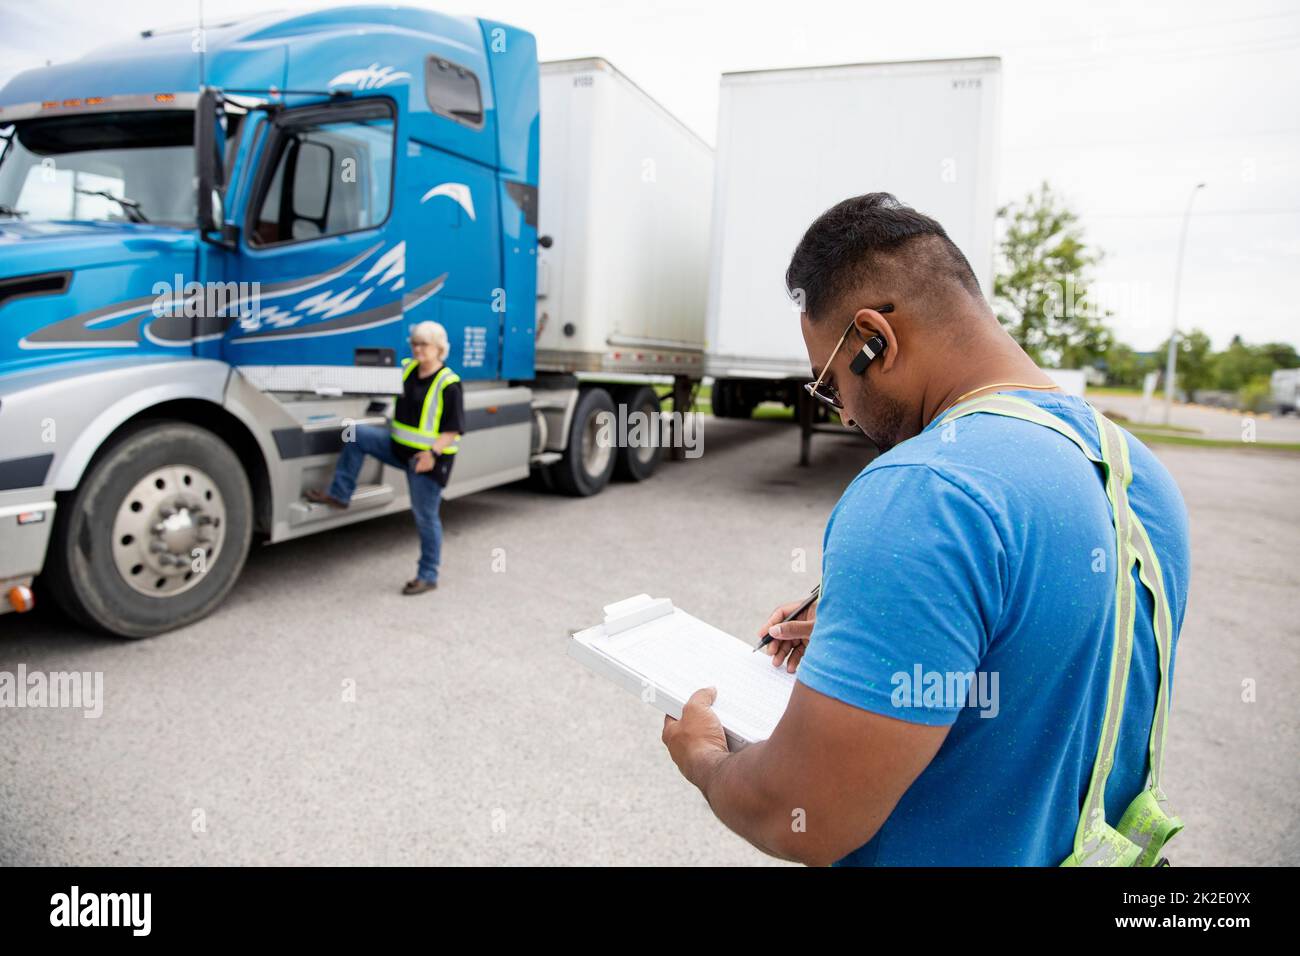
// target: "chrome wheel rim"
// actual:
[[595, 453], [168, 530]]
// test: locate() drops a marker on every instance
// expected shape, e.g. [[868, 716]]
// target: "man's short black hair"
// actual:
[[875, 240]]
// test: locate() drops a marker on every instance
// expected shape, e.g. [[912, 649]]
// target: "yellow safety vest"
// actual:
[[424, 433], [1148, 823]]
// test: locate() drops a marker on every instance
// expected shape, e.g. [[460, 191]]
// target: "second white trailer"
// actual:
[[791, 144]]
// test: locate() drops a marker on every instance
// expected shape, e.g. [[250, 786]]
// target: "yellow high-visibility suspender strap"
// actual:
[[434, 426], [426, 431], [1148, 822]]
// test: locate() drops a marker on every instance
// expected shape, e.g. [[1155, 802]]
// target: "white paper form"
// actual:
[[678, 654]]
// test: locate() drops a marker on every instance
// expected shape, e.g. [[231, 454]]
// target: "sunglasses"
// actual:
[[828, 394]]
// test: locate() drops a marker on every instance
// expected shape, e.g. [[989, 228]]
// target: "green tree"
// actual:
[[1256, 395], [1239, 364], [1126, 368], [1121, 365], [1196, 361], [1040, 292], [1280, 354]]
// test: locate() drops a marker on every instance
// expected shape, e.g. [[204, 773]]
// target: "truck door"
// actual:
[[321, 255], [455, 210], [321, 264]]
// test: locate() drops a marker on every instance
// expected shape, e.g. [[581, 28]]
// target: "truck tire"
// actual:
[[156, 533], [639, 463], [733, 398], [587, 464], [718, 398]]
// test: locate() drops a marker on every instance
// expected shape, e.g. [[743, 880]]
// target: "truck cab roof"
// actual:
[[294, 59], [283, 50]]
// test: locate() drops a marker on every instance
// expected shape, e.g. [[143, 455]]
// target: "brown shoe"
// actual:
[[321, 498], [419, 586]]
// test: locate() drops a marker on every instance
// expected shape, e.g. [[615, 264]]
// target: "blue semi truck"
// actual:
[[212, 246]]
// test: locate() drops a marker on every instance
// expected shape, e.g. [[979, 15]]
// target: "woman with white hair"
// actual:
[[421, 439]]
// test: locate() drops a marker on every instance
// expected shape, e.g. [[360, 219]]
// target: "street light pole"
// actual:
[[1171, 359]]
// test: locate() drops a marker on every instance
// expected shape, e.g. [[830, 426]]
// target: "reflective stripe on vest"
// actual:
[[425, 432], [1148, 823]]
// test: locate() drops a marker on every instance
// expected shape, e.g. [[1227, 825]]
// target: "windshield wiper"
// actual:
[[129, 206], [11, 211]]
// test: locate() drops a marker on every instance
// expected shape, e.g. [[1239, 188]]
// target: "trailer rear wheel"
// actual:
[[155, 535], [588, 460], [718, 398], [733, 398], [638, 462]]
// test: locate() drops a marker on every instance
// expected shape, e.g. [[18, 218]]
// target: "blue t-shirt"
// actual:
[[987, 546]]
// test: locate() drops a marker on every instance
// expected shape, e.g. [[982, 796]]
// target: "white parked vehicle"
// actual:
[[1285, 384]]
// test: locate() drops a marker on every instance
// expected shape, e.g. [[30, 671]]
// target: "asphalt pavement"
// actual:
[[320, 717]]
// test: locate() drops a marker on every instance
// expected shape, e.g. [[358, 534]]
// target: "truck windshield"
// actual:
[[105, 167]]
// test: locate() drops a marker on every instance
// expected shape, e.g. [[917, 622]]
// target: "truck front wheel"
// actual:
[[156, 533]]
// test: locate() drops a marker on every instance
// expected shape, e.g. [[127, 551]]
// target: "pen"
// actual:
[[816, 593]]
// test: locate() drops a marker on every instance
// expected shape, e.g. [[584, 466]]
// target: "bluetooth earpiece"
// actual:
[[871, 349]]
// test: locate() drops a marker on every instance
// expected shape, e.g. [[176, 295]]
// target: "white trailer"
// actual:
[[622, 272], [625, 198], [794, 142]]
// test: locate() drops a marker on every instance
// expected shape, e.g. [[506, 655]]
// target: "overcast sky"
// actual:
[[1122, 107]]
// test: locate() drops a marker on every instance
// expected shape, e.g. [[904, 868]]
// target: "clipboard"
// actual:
[[663, 655]]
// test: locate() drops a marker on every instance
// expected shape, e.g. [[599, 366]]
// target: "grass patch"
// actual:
[[1165, 429], [770, 411], [703, 398]]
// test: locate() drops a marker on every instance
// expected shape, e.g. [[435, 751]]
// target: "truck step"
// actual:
[[364, 498]]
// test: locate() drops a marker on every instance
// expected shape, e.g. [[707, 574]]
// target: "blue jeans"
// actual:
[[426, 493]]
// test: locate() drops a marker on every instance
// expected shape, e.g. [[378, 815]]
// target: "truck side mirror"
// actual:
[[209, 150]]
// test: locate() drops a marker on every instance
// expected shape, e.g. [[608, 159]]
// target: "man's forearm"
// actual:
[[741, 795]]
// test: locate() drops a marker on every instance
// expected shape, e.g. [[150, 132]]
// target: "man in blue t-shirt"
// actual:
[[952, 677]]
